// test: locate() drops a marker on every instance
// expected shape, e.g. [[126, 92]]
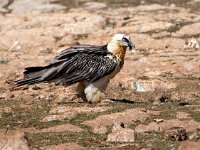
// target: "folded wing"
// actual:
[[80, 63]]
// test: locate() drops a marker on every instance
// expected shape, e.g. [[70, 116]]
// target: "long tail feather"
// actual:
[[32, 75], [27, 81]]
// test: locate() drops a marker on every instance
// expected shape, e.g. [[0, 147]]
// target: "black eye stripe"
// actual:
[[125, 39]]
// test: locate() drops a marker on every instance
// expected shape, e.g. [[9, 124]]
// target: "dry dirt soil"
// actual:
[[153, 103]]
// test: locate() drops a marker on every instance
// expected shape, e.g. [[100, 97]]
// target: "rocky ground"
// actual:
[[155, 99]]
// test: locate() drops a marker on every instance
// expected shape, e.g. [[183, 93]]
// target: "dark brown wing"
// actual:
[[79, 63], [83, 67]]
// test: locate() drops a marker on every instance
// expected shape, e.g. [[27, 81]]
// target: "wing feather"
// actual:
[[86, 67], [102, 50], [79, 63]]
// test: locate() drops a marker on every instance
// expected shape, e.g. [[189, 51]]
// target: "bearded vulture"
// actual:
[[90, 66]]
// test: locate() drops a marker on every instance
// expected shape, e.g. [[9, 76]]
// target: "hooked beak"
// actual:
[[131, 45]]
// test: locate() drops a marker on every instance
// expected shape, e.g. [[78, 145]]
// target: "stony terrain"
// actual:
[[153, 103]]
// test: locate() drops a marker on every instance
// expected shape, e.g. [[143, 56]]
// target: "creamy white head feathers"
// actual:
[[122, 40], [119, 37]]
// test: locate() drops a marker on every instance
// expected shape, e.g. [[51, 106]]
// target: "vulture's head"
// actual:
[[123, 40], [119, 43]]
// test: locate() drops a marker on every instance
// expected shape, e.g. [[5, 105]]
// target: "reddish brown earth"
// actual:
[[155, 99]]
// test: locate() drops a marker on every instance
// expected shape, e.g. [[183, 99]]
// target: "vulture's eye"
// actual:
[[125, 39]]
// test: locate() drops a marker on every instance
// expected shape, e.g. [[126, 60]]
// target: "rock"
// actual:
[[127, 117], [25, 6], [147, 128], [189, 145], [95, 5], [56, 128], [100, 130], [188, 30], [13, 140], [151, 85], [189, 125], [10, 40], [64, 146], [151, 7], [182, 115], [85, 24], [155, 26], [177, 134], [183, 97], [153, 74], [61, 128], [68, 112], [80, 110], [62, 116], [165, 125], [122, 135]]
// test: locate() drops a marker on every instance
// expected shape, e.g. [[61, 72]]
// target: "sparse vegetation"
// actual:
[[159, 56]]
